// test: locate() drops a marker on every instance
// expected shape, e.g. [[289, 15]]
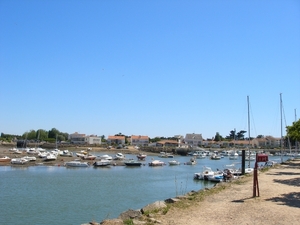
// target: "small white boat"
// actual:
[[141, 156], [79, 154], [15, 151], [66, 153], [106, 157], [29, 158], [119, 156], [174, 163], [215, 157], [77, 164], [32, 151], [50, 157], [89, 157], [192, 161], [102, 163], [19, 161], [165, 155], [156, 163], [206, 172], [216, 178], [233, 156]]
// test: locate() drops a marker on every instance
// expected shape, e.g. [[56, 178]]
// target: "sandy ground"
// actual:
[[278, 203]]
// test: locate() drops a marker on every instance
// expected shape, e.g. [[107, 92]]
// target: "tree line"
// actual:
[[292, 134]]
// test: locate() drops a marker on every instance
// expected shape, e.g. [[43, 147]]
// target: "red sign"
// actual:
[[262, 158]]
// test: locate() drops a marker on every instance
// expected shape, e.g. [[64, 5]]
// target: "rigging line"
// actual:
[[253, 121], [289, 143]]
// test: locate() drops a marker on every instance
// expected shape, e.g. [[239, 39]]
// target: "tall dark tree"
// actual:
[[218, 137]]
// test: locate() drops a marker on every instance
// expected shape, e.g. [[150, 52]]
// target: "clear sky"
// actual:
[[151, 67]]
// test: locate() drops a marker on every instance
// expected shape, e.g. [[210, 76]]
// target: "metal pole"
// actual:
[[281, 128], [248, 132]]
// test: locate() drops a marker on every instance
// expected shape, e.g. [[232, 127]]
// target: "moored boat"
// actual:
[[5, 159], [89, 157], [206, 172], [119, 156], [29, 158], [76, 163], [192, 161], [174, 163], [132, 163], [141, 156], [19, 161], [156, 163], [102, 163]]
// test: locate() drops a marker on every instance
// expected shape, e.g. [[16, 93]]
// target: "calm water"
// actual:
[[58, 195]]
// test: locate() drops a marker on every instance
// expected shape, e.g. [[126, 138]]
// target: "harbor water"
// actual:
[[59, 195]]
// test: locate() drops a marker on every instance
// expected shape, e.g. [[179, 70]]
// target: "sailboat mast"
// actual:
[[281, 127], [296, 141], [248, 132]]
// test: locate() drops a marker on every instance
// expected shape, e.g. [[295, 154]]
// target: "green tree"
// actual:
[[241, 135], [53, 133], [218, 137], [42, 135], [31, 135]]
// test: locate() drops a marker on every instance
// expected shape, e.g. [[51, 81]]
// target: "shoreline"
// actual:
[[233, 202]]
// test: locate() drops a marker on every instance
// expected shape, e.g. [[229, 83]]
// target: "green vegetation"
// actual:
[[293, 132], [128, 222]]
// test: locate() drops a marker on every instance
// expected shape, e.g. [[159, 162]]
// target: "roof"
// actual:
[[140, 137], [116, 137], [193, 136]]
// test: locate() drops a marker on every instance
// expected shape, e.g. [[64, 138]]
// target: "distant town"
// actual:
[[189, 140]]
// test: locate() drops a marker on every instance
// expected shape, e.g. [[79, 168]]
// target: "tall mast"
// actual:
[[248, 132], [296, 141], [281, 127]]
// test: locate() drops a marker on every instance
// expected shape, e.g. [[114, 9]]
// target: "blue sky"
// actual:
[[156, 68]]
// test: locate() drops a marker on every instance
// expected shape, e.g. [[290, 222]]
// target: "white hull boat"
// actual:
[[156, 163], [102, 163], [19, 161], [174, 163], [76, 164], [29, 158]]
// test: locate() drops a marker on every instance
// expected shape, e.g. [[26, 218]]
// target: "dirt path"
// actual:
[[279, 202]]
